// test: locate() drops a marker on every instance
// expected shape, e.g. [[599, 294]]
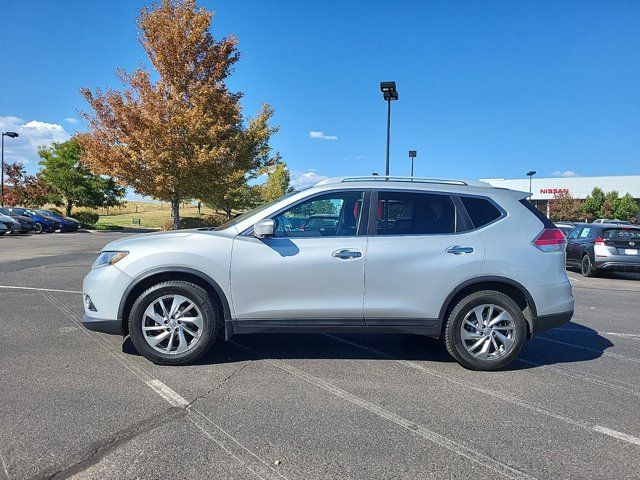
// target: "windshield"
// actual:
[[245, 215]]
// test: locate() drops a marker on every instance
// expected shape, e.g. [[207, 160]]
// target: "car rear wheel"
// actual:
[[173, 323], [485, 330], [586, 267], [38, 227]]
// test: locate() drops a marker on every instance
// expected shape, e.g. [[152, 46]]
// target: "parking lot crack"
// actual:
[[102, 448], [220, 384]]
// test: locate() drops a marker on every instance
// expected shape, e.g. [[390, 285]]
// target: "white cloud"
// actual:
[[71, 120], [32, 134], [306, 179], [566, 173], [322, 136]]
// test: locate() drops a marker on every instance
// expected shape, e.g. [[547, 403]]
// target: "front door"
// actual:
[[311, 270], [418, 251]]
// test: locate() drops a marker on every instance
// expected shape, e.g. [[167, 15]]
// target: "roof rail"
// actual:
[[385, 178]]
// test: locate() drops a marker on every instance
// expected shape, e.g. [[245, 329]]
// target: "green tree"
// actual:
[[593, 204], [277, 184], [610, 204], [627, 208], [73, 184]]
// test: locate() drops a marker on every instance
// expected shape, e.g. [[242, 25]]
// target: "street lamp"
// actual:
[[389, 93], [530, 174], [10, 135], [412, 155]]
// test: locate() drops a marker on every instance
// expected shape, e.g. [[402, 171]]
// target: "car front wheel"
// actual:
[[485, 330], [173, 323], [38, 228]]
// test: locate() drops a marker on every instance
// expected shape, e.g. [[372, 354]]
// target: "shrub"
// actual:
[[87, 218], [195, 222]]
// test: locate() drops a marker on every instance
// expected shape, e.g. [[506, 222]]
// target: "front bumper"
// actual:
[[113, 327]]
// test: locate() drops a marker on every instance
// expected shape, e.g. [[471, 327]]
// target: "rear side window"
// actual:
[[480, 210], [545, 221], [414, 213]]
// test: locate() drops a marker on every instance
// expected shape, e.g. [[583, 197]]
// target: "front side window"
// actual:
[[415, 213], [336, 214]]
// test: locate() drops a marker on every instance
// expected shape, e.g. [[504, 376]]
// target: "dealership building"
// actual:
[[544, 189]]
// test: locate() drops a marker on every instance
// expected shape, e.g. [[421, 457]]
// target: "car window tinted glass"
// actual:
[[573, 233], [481, 210], [411, 213], [585, 232], [239, 218], [621, 234], [336, 214]]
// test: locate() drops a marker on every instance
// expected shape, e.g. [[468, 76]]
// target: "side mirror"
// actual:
[[264, 228]]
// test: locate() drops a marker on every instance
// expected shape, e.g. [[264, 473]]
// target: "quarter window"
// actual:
[[337, 214], [480, 210], [411, 213]]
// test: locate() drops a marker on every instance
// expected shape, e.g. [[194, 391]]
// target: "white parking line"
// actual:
[[455, 447], [594, 350], [249, 460], [12, 287], [617, 434], [507, 397]]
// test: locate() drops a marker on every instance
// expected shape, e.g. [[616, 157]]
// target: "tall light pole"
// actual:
[[389, 93], [530, 174], [10, 135], [412, 155]]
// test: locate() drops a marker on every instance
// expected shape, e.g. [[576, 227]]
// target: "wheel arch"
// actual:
[[505, 285], [152, 277]]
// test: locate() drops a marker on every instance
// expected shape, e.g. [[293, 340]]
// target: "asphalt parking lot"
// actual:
[[79, 404]]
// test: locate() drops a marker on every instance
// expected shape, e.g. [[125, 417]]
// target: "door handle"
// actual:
[[345, 254], [458, 250]]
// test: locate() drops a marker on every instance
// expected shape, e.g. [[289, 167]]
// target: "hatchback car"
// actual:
[[598, 247], [477, 266], [21, 224], [64, 224]]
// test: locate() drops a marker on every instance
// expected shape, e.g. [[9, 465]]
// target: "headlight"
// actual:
[[109, 258]]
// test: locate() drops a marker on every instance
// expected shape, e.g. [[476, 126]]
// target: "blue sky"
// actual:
[[487, 89]]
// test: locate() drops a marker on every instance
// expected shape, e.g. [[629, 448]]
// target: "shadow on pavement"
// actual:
[[588, 345]]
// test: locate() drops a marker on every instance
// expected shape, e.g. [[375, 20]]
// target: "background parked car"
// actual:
[[3, 229], [604, 246], [613, 222], [41, 223], [21, 223], [66, 224]]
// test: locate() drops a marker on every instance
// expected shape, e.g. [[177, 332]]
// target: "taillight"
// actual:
[[550, 240], [599, 241]]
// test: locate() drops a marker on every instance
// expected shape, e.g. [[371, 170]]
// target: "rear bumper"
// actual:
[[546, 322], [113, 327], [618, 266]]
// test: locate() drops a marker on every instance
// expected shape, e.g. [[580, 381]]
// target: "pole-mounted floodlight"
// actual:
[[389, 93], [530, 174], [10, 135], [412, 154]]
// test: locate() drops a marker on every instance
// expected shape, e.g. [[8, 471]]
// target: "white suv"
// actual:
[[477, 266]]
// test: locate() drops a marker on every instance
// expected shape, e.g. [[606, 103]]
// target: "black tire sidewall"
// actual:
[[590, 271], [454, 341], [199, 296], [38, 228]]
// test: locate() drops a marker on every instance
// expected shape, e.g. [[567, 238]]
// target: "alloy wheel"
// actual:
[[487, 332], [172, 324]]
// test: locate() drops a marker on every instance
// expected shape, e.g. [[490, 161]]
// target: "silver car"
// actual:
[[477, 266]]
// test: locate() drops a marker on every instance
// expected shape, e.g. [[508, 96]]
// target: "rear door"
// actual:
[[421, 245]]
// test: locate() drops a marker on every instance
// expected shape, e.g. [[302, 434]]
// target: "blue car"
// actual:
[[66, 224], [41, 222]]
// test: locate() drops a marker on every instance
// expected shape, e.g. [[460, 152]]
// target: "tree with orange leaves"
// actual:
[[183, 136]]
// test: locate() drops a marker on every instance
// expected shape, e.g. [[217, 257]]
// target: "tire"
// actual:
[[490, 305], [148, 310], [586, 267], [38, 228]]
